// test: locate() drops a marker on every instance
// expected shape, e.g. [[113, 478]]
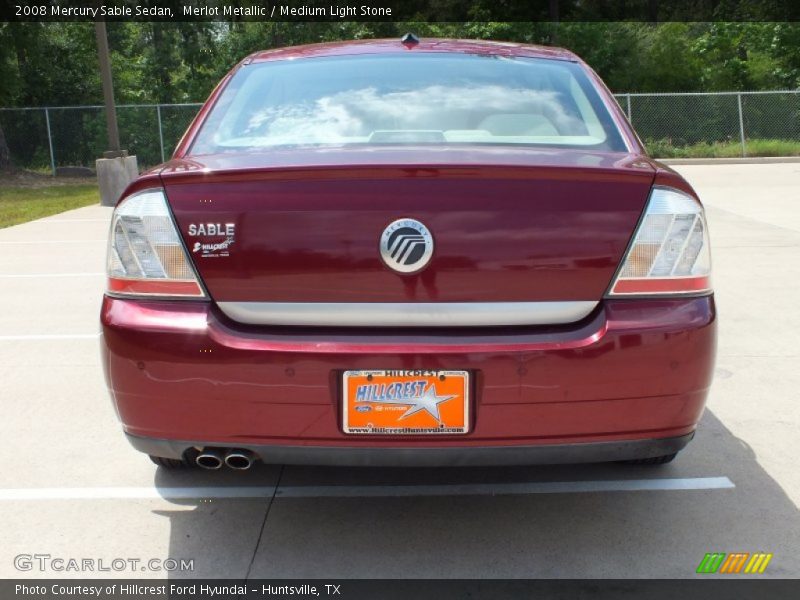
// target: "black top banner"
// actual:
[[399, 10]]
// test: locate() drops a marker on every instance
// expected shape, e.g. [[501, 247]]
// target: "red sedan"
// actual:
[[409, 252]]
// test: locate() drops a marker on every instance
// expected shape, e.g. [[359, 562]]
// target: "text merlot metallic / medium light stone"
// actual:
[[339, 11]]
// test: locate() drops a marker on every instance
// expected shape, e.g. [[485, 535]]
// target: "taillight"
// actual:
[[670, 253], [145, 253]]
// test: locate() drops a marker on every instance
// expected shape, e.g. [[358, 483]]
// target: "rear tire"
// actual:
[[655, 460], [169, 463]]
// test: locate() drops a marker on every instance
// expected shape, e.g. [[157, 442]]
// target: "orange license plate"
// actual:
[[406, 402]]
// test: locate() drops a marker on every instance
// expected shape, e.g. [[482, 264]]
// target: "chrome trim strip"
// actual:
[[407, 314]]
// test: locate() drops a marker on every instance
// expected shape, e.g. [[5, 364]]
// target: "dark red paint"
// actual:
[[635, 369], [510, 224]]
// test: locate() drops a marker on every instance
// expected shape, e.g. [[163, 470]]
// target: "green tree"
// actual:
[[667, 59]]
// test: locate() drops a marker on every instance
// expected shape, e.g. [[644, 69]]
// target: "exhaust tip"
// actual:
[[240, 460], [209, 459]]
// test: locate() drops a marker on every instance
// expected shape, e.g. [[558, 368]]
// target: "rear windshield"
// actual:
[[408, 99]]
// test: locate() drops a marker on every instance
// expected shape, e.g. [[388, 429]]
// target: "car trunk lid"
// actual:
[[508, 225]]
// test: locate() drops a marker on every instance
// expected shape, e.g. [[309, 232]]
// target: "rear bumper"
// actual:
[[629, 381], [432, 456]]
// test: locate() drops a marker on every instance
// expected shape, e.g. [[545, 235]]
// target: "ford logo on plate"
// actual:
[[406, 245], [363, 408]]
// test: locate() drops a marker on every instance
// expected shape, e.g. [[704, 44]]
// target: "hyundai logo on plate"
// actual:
[[406, 245]]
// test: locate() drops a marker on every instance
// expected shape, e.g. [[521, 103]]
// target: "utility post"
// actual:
[[116, 169]]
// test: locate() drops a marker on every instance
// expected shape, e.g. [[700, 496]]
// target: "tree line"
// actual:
[[56, 63], [155, 62]]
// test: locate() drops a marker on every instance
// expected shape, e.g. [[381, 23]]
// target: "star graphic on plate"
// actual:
[[428, 401]]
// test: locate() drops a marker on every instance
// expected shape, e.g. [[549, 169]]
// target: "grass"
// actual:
[[729, 149], [19, 204]]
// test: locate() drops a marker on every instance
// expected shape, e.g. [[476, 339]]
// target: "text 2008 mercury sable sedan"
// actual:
[[417, 252]]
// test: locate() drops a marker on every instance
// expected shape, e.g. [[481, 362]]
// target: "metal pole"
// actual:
[[741, 125], [108, 88], [50, 142], [160, 131], [629, 106]]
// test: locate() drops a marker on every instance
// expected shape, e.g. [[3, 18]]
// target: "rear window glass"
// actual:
[[408, 99]]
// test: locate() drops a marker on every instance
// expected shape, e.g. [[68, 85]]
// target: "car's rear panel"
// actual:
[[520, 230], [629, 370], [635, 369]]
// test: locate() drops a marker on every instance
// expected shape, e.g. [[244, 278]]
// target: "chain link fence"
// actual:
[[50, 137], [708, 124], [671, 125]]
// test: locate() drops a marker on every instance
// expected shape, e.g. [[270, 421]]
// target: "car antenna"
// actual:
[[409, 40]]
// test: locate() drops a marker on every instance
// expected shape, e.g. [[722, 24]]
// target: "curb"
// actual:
[[754, 160]]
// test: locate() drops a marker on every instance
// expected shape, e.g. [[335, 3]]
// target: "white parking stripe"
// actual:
[[498, 489], [45, 337], [133, 493], [37, 275], [370, 491], [46, 220], [13, 242]]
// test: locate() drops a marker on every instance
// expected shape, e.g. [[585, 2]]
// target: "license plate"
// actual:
[[405, 402]]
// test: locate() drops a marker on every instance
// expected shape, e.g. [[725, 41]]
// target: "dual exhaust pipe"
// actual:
[[213, 459]]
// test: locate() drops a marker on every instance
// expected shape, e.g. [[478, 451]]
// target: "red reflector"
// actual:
[[652, 285], [154, 287]]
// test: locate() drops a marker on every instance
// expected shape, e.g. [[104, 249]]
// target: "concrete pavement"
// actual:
[[62, 444]]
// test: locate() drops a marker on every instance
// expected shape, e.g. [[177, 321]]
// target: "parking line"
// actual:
[[369, 491], [47, 220], [16, 242], [46, 337], [498, 489], [135, 493], [37, 275]]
